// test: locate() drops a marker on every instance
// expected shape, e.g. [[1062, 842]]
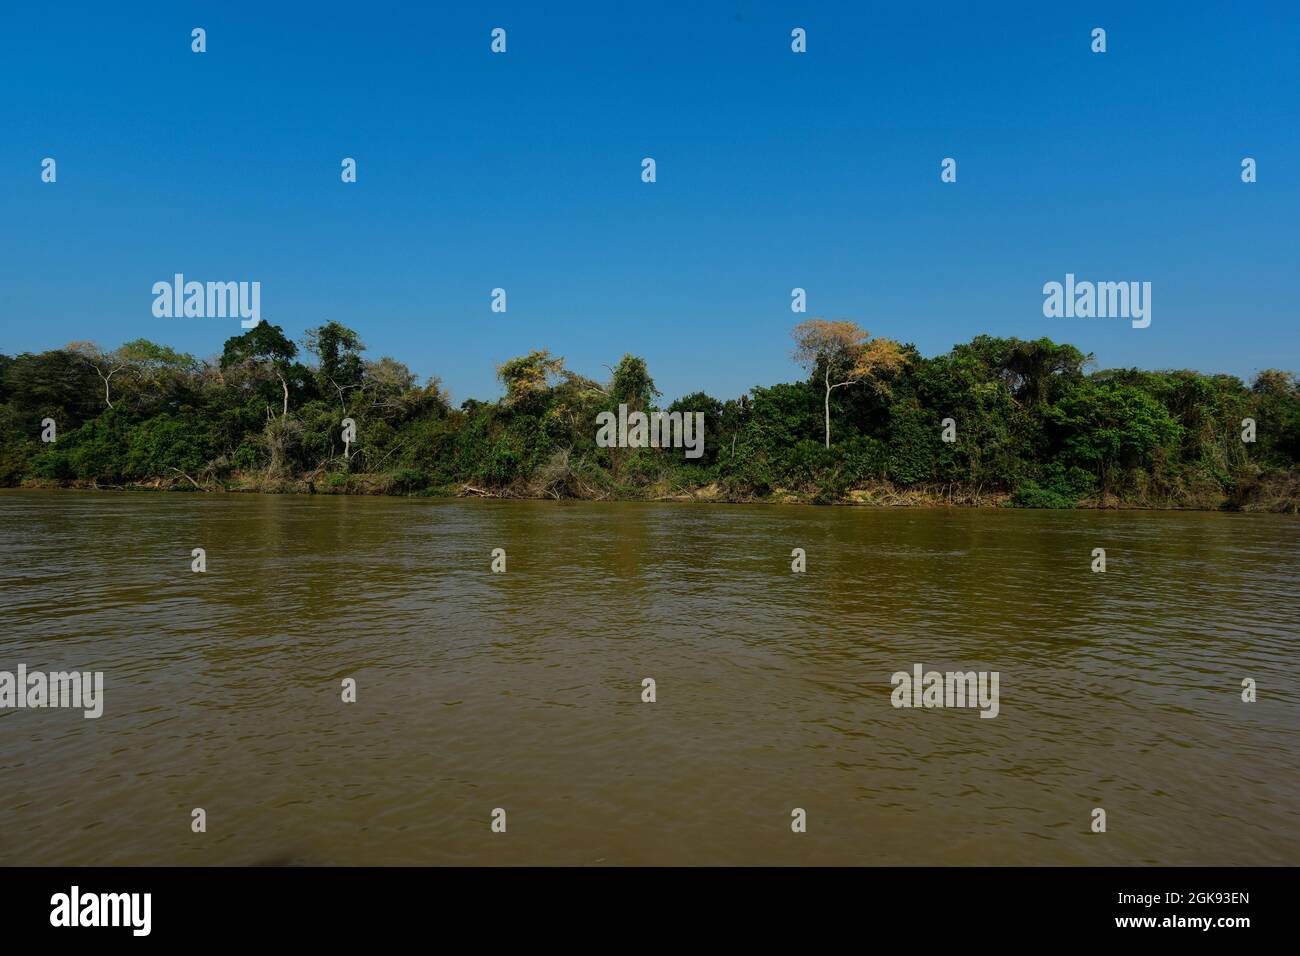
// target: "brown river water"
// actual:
[[523, 691]]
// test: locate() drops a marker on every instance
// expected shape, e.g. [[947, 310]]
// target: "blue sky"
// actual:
[[775, 170]]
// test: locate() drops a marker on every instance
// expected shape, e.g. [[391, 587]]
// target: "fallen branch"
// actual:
[[191, 480]]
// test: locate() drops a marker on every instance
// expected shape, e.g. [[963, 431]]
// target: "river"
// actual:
[[523, 690]]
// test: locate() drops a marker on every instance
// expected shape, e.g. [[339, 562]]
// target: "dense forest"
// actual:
[[993, 421]]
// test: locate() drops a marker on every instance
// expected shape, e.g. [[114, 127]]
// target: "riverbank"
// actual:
[[993, 422], [1277, 493]]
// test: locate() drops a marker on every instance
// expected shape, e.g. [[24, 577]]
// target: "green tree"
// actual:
[[263, 347], [1110, 426], [630, 384], [338, 350], [528, 378], [104, 364]]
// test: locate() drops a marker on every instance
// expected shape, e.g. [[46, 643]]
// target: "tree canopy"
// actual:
[[1003, 419]]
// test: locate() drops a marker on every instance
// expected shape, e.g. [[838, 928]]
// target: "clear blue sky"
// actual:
[[775, 170]]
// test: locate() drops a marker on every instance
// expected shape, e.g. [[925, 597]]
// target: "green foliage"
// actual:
[[1030, 423], [1111, 427], [408, 481], [915, 443], [631, 384], [263, 342], [95, 452], [167, 443], [528, 379], [338, 351], [1056, 487]]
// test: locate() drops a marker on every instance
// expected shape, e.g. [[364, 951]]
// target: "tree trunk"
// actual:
[[284, 385], [828, 409]]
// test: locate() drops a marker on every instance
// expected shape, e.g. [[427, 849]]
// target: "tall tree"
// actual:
[[105, 364], [528, 378], [338, 350], [630, 383], [263, 346], [844, 353], [157, 369], [1033, 365]]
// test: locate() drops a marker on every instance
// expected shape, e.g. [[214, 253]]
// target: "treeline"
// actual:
[[1027, 424]]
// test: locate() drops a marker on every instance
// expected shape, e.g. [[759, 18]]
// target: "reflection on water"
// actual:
[[523, 690]]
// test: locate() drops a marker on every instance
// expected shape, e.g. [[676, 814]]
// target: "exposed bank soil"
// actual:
[[1278, 493]]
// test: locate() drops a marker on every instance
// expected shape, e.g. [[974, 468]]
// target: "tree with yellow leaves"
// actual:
[[844, 353]]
